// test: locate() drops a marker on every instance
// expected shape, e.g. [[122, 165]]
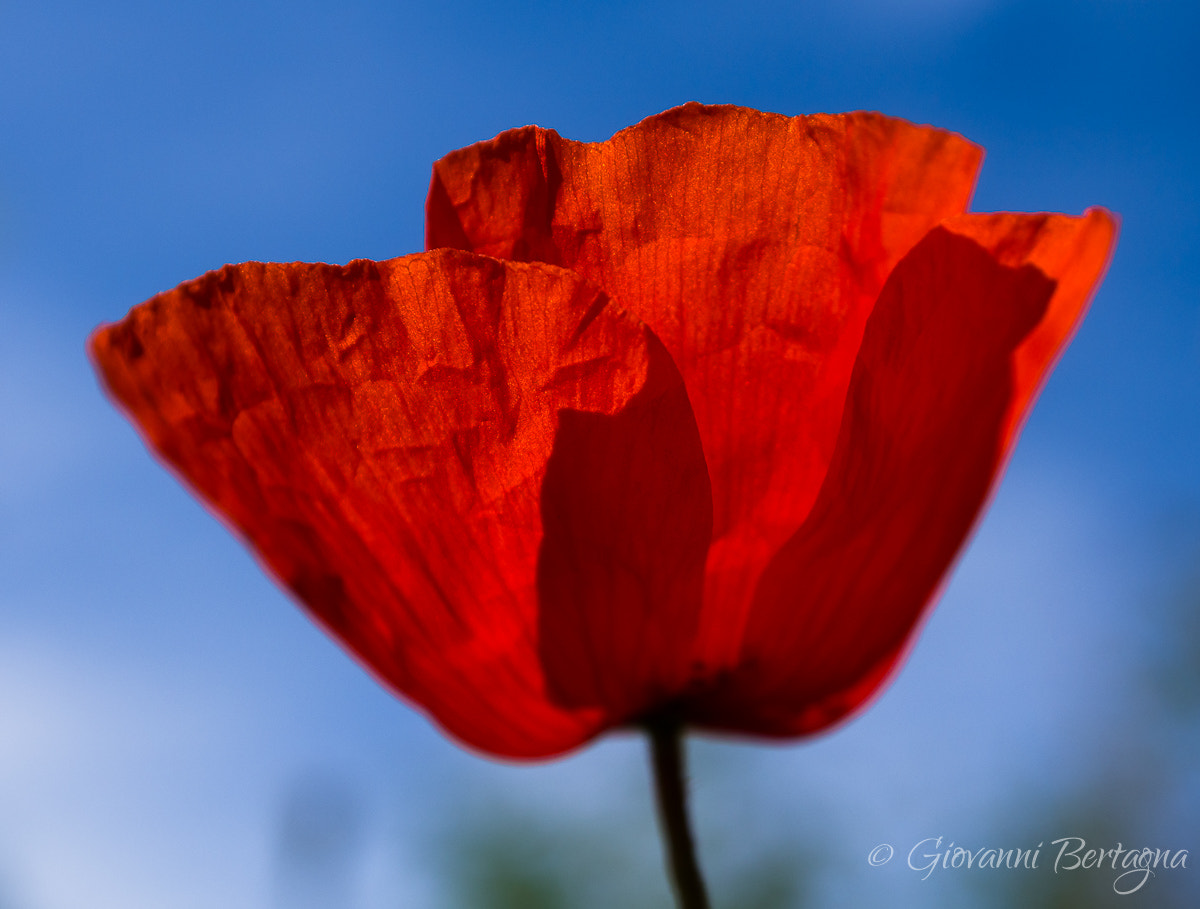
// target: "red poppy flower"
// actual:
[[691, 421]]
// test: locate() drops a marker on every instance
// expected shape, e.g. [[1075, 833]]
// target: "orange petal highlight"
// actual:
[[754, 245], [953, 355], [385, 436]]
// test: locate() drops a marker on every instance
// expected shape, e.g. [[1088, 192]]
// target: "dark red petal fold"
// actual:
[[754, 245], [960, 341], [414, 447], [627, 515]]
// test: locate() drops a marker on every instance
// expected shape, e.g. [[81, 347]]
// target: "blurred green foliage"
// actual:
[[525, 862], [1136, 794], [498, 852]]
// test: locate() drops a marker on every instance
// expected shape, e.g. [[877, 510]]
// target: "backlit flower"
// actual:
[[692, 421]]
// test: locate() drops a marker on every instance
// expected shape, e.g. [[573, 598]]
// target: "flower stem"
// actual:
[[667, 754]]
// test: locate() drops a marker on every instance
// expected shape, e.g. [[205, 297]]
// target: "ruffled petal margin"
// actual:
[[418, 450]]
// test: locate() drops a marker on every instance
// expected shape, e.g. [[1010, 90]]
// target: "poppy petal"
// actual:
[[627, 512], [958, 345], [385, 436], [754, 246]]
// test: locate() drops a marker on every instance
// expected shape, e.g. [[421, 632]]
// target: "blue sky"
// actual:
[[162, 704]]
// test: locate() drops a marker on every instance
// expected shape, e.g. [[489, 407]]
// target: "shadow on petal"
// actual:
[[627, 515]]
